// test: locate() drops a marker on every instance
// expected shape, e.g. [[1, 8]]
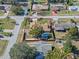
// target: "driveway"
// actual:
[[42, 46], [12, 40]]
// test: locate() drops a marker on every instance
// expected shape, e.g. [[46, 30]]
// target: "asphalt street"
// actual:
[[12, 40]]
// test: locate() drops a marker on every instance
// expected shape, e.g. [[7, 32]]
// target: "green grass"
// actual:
[[7, 23], [6, 33], [42, 20], [3, 45], [65, 20], [1, 13], [11, 13], [44, 13], [65, 12], [25, 23]]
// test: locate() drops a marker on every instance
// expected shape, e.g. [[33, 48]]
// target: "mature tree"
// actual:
[[17, 10], [70, 2], [68, 46], [72, 33], [55, 54], [22, 51], [72, 21]]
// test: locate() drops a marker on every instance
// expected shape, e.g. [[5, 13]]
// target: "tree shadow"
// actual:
[[75, 51]]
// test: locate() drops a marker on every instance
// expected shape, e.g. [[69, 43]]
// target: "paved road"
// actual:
[[53, 16], [12, 40]]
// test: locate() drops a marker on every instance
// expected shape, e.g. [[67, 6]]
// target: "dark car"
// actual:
[[1, 36]]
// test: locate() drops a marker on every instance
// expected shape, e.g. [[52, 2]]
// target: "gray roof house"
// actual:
[[21, 1], [40, 7], [2, 8], [64, 26]]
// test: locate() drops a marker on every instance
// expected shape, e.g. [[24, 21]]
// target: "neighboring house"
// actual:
[[37, 7], [2, 8], [15, 1], [21, 1], [57, 7], [57, 1], [64, 26]]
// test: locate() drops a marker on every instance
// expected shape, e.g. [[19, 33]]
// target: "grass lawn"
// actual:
[[6, 33], [60, 34], [11, 13], [45, 13], [25, 23], [42, 20], [65, 12], [1, 13], [3, 45], [65, 20], [7, 23]]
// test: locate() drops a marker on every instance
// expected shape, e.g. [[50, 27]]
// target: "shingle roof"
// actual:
[[21, 0], [65, 25]]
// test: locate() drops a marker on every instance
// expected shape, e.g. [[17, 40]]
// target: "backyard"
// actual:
[[3, 45], [42, 20], [59, 34], [7, 23]]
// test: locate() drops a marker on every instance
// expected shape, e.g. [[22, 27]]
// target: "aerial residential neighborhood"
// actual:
[[39, 29]]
